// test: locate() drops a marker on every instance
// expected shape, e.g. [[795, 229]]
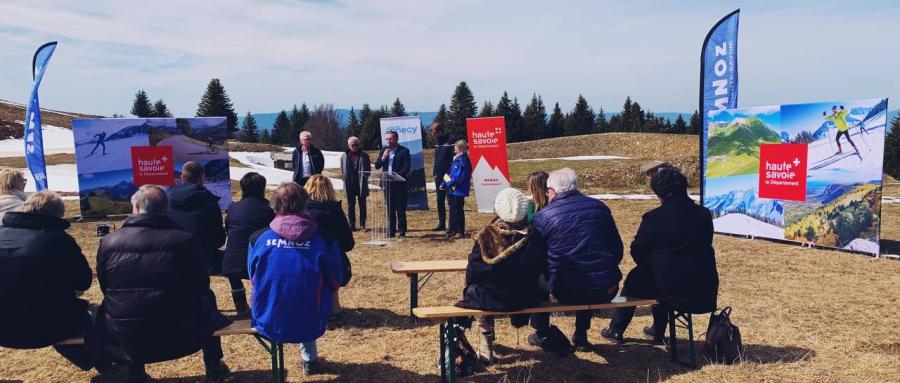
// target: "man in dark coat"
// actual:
[[395, 158], [41, 267], [157, 304], [244, 217], [307, 159], [354, 162], [197, 210], [443, 157], [583, 252], [675, 259]]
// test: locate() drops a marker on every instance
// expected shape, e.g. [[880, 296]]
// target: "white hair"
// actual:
[[562, 180], [150, 199], [352, 139], [305, 133]]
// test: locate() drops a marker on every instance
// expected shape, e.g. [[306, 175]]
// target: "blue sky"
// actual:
[[272, 54]]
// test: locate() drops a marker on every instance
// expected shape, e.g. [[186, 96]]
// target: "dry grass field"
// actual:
[[806, 315]]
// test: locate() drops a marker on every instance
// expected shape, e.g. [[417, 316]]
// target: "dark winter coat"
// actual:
[[503, 269], [157, 304], [443, 156], [40, 268], [401, 161], [315, 156], [244, 218], [583, 245], [351, 174], [197, 211], [675, 258], [333, 224], [460, 177]]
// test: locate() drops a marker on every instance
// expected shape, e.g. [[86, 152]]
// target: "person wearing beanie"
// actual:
[[504, 266]]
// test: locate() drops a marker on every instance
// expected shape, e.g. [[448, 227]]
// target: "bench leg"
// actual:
[[441, 350], [276, 351], [282, 371], [688, 324], [690, 328], [451, 357], [413, 293], [673, 341]]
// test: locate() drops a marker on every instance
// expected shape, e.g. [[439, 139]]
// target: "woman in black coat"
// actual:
[[333, 226], [244, 217], [675, 259]]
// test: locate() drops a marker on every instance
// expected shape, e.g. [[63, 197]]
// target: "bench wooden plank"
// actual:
[[238, 327], [444, 312], [400, 267]]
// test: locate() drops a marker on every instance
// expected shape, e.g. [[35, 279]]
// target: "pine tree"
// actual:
[[161, 110], [353, 125], [281, 128], [265, 137], [298, 117], [602, 122], [638, 118], [625, 121], [462, 106], [487, 110], [696, 125], [141, 107], [535, 118], [249, 130], [216, 103], [680, 126], [398, 110], [892, 149], [515, 123], [555, 126], [370, 135], [581, 119]]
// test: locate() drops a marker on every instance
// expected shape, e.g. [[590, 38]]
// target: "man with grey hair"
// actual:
[[583, 253], [157, 304], [307, 159], [355, 165]]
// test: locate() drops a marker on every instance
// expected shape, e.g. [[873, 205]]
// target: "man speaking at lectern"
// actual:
[[395, 159]]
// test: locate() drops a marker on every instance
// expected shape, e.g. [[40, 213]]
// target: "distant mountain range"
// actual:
[[745, 202]]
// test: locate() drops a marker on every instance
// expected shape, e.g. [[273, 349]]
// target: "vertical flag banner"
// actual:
[[718, 75], [409, 132], [34, 139], [487, 151], [115, 156], [807, 173]]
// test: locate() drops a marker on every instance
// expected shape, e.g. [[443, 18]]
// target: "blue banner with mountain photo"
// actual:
[[838, 202], [718, 72], [105, 151], [33, 136], [409, 131]]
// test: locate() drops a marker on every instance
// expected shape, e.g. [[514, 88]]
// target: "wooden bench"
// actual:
[[447, 316], [412, 270], [239, 327]]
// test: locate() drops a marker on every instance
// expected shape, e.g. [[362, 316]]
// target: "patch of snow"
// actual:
[[694, 197], [575, 158], [863, 245], [745, 225], [56, 140], [60, 178], [332, 159]]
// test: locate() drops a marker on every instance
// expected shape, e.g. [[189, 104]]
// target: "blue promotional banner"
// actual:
[[718, 73], [34, 140]]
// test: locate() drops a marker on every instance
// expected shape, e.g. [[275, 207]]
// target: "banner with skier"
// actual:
[[115, 156], [809, 173]]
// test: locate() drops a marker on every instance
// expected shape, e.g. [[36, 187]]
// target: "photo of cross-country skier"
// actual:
[[105, 144]]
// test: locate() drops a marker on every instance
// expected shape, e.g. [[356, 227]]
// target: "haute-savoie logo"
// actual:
[[152, 165], [782, 171]]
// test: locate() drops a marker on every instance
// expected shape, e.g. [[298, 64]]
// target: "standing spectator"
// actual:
[[41, 267], [12, 191], [355, 165], [675, 260], [504, 266], [157, 304], [294, 273], [307, 159], [244, 218], [395, 159], [537, 186], [197, 210], [443, 156], [325, 208], [457, 187], [583, 253]]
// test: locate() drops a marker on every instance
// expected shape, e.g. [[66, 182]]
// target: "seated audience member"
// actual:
[[325, 208], [675, 259], [244, 218], [157, 304], [197, 210], [537, 186], [12, 190], [294, 273], [504, 266], [583, 253], [41, 268]]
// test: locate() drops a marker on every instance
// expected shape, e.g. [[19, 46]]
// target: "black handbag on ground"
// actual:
[[723, 339], [348, 269]]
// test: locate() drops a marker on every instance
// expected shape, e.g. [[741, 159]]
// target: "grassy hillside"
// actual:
[[734, 149], [11, 115]]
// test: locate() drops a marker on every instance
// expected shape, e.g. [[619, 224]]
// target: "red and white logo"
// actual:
[[152, 165], [782, 171]]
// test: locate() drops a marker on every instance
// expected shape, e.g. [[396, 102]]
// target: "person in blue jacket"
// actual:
[[457, 186], [294, 273]]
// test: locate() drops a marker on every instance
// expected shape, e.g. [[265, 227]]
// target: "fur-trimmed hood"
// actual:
[[500, 239]]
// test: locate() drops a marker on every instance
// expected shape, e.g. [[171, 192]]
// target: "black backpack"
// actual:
[[723, 339], [347, 269], [554, 341], [466, 359]]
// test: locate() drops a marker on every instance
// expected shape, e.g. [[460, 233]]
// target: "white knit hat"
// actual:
[[511, 205]]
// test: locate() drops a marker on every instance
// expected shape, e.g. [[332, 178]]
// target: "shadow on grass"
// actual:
[[368, 317], [890, 246], [765, 354]]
